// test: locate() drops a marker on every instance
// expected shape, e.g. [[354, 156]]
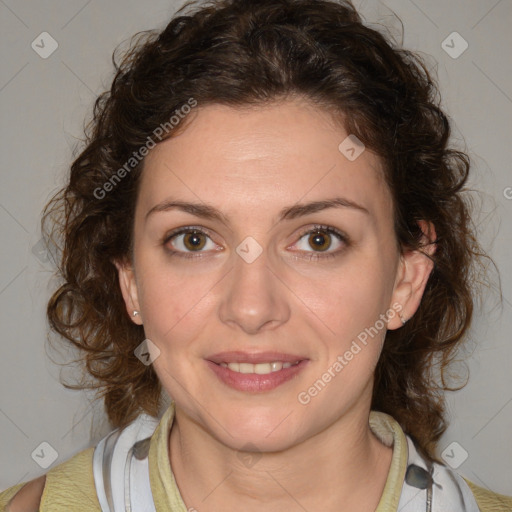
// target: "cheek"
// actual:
[[176, 305], [344, 301], [347, 306], [176, 312]]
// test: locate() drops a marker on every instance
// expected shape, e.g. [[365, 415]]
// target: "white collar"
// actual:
[[121, 470]]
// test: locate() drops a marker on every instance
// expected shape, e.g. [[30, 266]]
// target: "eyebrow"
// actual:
[[287, 213]]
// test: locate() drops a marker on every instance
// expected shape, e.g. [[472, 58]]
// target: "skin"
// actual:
[[249, 164], [28, 499]]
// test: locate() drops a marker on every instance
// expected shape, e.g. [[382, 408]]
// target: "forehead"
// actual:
[[259, 159]]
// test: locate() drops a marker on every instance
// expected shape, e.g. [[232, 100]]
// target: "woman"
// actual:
[[268, 225]]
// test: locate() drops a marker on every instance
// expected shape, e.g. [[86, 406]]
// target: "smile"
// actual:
[[258, 368], [256, 377]]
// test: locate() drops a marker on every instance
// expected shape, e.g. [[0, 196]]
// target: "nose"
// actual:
[[252, 298]]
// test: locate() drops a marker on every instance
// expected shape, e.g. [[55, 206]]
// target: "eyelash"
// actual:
[[312, 255]]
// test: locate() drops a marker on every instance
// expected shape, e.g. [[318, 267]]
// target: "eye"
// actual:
[[189, 240], [325, 241], [192, 242]]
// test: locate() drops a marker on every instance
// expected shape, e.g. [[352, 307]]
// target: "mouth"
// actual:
[[258, 368], [256, 372]]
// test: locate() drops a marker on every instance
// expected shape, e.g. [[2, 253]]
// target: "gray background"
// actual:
[[44, 103]]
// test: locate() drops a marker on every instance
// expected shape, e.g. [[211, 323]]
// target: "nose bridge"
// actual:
[[252, 298]]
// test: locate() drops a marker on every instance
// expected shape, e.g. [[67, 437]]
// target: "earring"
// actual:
[[135, 312], [402, 318]]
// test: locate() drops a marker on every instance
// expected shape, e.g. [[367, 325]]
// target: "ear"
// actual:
[[412, 275], [128, 285]]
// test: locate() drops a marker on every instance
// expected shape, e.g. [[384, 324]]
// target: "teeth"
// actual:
[[260, 368]]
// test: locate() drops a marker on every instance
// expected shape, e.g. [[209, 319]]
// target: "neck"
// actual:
[[343, 467]]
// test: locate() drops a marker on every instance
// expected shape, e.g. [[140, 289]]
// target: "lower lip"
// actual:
[[254, 382]]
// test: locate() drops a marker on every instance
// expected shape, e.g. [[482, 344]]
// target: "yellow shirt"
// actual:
[[70, 485]]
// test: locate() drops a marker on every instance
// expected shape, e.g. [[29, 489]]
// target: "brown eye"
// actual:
[[320, 241], [194, 241], [189, 240]]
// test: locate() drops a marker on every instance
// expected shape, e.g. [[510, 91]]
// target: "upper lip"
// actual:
[[254, 357]]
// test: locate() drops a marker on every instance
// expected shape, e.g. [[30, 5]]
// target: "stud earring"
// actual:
[[135, 312], [402, 319]]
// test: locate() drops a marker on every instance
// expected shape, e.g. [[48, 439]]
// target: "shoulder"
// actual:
[[68, 484], [25, 497], [489, 501]]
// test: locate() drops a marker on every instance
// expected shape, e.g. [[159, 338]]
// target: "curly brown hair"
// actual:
[[240, 53]]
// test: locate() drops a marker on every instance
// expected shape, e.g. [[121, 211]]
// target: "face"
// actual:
[[259, 245]]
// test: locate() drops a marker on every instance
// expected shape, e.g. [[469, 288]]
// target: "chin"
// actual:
[[265, 432], [258, 442]]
